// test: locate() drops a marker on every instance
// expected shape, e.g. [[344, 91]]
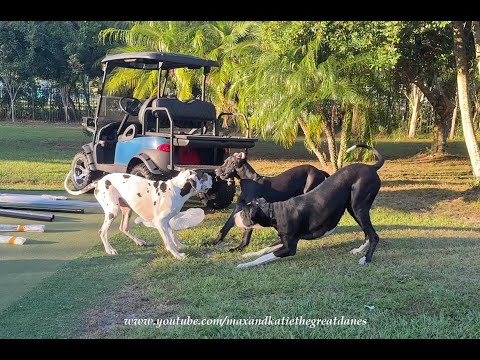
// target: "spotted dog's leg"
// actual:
[[108, 198], [162, 227], [178, 244], [125, 225], [110, 215]]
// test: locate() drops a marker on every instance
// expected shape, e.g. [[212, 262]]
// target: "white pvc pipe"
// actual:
[[12, 240], [22, 228]]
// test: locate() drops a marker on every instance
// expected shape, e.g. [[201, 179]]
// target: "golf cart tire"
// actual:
[[142, 171], [80, 160], [223, 195]]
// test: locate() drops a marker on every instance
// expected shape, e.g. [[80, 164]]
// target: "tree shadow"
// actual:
[[391, 183], [39, 242], [413, 200]]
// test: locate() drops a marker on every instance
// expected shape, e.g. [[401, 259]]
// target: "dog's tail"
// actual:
[[86, 189], [380, 161]]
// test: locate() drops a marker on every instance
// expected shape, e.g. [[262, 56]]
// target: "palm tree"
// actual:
[[213, 40], [292, 89]]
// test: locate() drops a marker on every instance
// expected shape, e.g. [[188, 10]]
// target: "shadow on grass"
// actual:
[[63, 218], [389, 183], [414, 199], [62, 230], [40, 242]]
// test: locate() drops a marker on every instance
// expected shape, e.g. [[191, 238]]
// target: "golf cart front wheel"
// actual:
[[81, 174]]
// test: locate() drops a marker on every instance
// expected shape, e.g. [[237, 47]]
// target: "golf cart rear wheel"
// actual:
[[81, 174], [221, 195], [142, 171]]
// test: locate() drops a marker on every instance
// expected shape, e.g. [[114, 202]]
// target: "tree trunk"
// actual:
[[451, 136], [344, 137], [68, 105], [310, 145], [86, 92], [476, 115], [330, 135], [476, 39], [463, 99], [356, 126], [12, 108], [442, 109], [416, 99], [12, 90], [34, 93]]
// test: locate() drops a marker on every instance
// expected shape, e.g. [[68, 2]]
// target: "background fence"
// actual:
[[45, 104]]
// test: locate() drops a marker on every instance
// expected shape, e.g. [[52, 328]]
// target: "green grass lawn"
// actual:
[[37, 156], [423, 281]]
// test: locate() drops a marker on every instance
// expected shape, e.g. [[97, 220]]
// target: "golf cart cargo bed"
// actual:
[[200, 141]]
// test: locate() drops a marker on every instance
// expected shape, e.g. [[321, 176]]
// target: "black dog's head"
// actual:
[[255, 214], [228, 170]]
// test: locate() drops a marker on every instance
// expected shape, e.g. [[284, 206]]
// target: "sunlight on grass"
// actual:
[[423, 280]]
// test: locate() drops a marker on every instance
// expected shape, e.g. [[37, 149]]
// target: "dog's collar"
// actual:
[[271, 214]]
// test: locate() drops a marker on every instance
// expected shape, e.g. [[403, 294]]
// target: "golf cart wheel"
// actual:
[[221, 195], [81, 174], [142, 171]]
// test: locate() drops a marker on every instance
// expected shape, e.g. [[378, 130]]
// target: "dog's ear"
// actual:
[[189, 184], [240, 155], [200, 174]]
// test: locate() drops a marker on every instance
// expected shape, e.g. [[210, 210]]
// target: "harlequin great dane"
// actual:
[[317, 213], [154, 201]]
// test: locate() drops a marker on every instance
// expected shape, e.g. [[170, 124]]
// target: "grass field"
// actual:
[[423, 281]]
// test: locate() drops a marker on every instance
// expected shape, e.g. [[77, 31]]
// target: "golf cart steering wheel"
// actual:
[[130, 105]]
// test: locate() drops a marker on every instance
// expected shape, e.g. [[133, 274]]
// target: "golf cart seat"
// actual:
[[190, 114]]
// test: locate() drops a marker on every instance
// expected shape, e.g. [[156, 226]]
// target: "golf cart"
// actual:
[[160, 136]]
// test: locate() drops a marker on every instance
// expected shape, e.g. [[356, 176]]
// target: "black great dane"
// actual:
[[295, 181], [317, 213]]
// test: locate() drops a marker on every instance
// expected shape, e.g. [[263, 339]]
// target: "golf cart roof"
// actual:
[[151, 60]]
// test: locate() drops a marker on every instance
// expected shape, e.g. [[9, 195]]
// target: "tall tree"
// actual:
[[15, 68], [463, 98], [426, 60], [66, 52], [415, 98]]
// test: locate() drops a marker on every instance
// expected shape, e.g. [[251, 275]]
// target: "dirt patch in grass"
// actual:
[[130, 302]]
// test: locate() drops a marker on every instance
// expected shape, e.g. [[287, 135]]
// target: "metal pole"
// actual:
[[97, 112], [203, 86], [160, 63], [42, 208], [26, 215]]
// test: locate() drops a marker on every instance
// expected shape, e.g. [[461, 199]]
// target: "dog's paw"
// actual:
[[250, 254], [241, 266], [355, 251], [141, 242], [112, 251], [236, 248], [181, 256], [210, 242], [363, 261]]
